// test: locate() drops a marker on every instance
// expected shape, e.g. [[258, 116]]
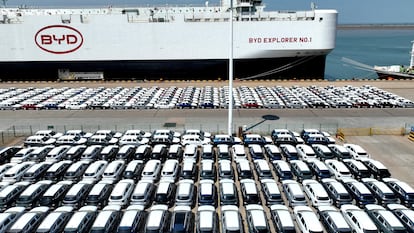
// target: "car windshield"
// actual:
[[300, 198], [384, 173], [410, 196], [206, 197], [367, 197], [344, 196], [325, 173], [179, 223], [116, 197], [138, 197]]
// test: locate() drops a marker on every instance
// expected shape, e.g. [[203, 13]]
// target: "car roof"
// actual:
[[231, 215], [128, 217]]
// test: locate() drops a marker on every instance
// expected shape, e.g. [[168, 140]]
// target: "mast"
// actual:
[[4, 2], [412, 55]]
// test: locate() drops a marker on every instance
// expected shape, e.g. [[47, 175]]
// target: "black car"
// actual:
[[108, 153], [175, 152], [75, 152], [57, 170], [29, 198], [357, 168], [301, 170], [99, 195], [340, 152], [159, 152], [55, 194], [165, 193], [282, 219], [8, 152], [360, 192], [273, 152], [224, 139], [182, 220], [377, 169], [384, 219], [126, 152], [133, 220], [133, 170], [143, 152], [207, 193], [323, 152], [91, 153], [38, 173], [9, 194]]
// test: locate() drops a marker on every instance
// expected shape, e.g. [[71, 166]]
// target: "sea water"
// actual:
[[358, 50]]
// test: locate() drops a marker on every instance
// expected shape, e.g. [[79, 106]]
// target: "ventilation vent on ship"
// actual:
[[66, 19]]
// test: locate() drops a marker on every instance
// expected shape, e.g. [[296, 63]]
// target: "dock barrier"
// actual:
[[369, 131], [411, 134]]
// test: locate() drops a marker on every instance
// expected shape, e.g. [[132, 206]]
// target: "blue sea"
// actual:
[[370, 47]]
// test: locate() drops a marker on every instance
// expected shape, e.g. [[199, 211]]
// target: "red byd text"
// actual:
[[58, 39], [61, 39]]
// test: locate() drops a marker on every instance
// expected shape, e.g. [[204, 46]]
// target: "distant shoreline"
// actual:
[[375, 26]]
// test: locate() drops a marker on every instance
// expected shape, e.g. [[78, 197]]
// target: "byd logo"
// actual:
[[59, 39]]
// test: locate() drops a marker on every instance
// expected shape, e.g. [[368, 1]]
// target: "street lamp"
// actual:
[[230, 111]]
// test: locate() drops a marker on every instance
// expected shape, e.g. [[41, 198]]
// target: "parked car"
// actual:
[[385, 220], [333, 220]]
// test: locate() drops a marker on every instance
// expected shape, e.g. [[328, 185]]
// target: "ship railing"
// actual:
[[284, 16], [262, 16], [200, 17]]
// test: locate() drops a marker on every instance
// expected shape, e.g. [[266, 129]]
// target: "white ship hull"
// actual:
[[105, 38]]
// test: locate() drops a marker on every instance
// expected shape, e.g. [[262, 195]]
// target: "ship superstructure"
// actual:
[[169, 42]]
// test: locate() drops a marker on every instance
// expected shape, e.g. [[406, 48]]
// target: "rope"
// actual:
[[281, 68]]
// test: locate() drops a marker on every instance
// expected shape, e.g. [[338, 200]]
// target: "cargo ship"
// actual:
[[166, 42], [397, 71]]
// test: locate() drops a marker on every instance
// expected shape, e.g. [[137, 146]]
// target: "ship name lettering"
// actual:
[[255, 40], [50, 39], [268, 40]]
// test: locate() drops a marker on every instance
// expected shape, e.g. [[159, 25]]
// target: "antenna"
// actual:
[[412, 56]]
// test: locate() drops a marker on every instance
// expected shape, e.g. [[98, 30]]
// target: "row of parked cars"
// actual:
[[226, 174], [199, 97], [169, 137]]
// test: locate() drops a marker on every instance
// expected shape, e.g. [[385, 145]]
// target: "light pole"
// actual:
[[230, 111]]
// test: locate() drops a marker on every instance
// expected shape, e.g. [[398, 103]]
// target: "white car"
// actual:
[[194, 140], [71, 140], [38, 140], [307, 220], [305, 152], [132, 140], [316, 193], [357, 151], [358, 219], [197, 132], [137, 132], [338, 169], [121, 193]]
